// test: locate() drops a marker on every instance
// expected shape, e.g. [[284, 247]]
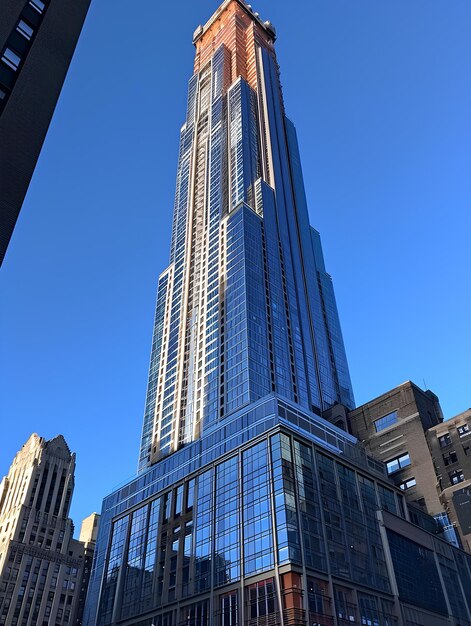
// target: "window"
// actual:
[[449, 458], [394, 465], [262, 599], [178, 500], [196, 614], [11, 59], [190, 495], [317, 596], [456, 477], [38, 5], [407, 484], [444, 440], [344, 602], [25, 29], [167, 504], [229, 615], [467, 450], [463, 430], [385, 421]]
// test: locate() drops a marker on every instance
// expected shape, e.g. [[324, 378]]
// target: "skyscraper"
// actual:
[[37, 41], [245, 307], [249, 507], [43, 570]]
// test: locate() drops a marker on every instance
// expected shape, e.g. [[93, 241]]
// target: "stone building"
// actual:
[[427, 458], [42, 568], [450, 445], [393, 428]]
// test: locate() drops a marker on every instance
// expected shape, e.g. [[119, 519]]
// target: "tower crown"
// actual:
[[236, 26], [267, 25]]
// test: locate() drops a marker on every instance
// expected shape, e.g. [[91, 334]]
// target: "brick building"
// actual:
[[450, 445], [428, 458]]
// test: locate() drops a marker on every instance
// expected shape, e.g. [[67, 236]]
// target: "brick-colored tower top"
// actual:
[[241, 30]]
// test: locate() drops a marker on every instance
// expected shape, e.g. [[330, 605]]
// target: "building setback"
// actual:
[[249, 507], [43, 570], [37, 41]]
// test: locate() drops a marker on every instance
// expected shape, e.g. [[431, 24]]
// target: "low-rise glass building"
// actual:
[[275, 517]]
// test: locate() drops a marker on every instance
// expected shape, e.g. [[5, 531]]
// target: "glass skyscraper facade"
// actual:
[[248, 506], [245, 307]]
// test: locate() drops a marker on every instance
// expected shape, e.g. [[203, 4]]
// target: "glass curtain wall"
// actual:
[[245, 307]]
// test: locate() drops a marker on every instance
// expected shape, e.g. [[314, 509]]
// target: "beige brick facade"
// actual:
[[42, 568]]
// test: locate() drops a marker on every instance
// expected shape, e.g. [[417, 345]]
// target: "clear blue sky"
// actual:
[[381, 97]]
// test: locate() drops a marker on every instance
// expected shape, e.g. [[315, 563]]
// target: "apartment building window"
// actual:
[[25, 29], [398, 463], [463, 430], [456, 477], [385, 421], [449, 458], [38, 5], [407, 484], [444, 440], [467, 450], [11, 59]]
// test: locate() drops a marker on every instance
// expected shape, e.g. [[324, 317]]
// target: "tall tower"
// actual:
[[249, 507], [37, 41], [43, 570], [245, 308]]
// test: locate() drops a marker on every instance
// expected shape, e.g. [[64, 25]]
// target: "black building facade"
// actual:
[[37, 41]]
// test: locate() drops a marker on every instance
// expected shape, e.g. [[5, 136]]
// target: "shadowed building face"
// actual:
[[37, 41]]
